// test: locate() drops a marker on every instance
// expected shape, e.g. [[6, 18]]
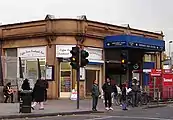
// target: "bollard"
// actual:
[[25, 101]]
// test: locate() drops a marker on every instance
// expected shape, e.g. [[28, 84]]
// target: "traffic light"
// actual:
[[75, 57], [84, 60], [124, 60]]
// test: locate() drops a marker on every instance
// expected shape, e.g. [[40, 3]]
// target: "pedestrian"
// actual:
[[38, 94], [95, 95], [26, 85], [115, 91], [135, 92], [108, 89], [8, 92], [46, 85], [124, 97]]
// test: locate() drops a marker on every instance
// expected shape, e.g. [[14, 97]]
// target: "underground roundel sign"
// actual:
[[135, 66]]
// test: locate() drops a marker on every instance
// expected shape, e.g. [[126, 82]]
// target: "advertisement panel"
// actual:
[[167, 80]]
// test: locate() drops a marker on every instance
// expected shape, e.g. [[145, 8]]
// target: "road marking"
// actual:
[[145, 118], [100, 118], [128, 117]]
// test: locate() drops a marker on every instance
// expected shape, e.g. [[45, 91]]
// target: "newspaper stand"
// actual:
[[161, 84], [155, 83], [167, 84]]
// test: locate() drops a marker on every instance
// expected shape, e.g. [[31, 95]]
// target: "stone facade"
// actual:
[[62, 32]]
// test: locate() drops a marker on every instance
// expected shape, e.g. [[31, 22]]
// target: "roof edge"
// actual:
[[75, 19]]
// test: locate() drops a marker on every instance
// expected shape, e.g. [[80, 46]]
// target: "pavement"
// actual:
[[163, 113], [52, 108], [58, 108]]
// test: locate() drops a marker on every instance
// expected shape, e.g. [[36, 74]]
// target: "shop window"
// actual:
[[30, 69], [149, 58], [65, 77], [153, 58], [10, 61]]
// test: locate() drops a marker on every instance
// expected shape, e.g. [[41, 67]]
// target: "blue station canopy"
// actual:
[[131, 41]]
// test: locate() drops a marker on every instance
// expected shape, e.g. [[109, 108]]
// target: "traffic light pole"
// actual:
[[78, 80], [121, 81]]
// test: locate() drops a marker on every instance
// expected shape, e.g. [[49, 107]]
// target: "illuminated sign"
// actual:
[[141, 45], [116, 43]]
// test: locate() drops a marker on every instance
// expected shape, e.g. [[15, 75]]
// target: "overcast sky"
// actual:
[[153, 15]]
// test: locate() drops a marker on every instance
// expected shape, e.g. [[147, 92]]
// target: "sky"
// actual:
[[152, 15]]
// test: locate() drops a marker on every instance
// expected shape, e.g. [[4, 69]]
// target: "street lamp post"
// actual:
[[170, 42]]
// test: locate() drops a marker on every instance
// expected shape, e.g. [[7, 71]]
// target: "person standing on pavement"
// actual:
[[46, 85], [26, 85], [135, 91], [8, 92], [124, 97], [95, 95], [38, 94], [108, 89], [115, 91]]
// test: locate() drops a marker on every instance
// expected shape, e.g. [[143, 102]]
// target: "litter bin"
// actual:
[[25, 101]]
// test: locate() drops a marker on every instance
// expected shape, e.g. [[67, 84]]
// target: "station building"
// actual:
[[51, 40]]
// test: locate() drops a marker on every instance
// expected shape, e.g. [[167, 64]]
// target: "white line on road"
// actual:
[[128, 117], [100, 118]]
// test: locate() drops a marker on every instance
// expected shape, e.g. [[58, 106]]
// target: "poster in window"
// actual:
[[49, 72]]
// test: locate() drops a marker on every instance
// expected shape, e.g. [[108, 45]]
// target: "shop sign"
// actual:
[[32, 52], [63, 51], [156, 72], [82, 73], [167, 71], [167, 80], [142, 45], [116, 43], [147, 70], [94, 53]]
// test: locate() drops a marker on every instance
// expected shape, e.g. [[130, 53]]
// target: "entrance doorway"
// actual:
[[65, 80], [91, 75]]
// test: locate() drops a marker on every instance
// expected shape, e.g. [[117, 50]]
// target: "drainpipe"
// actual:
[[1, 70]]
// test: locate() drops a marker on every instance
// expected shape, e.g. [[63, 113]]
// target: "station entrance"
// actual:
[[136, 47]]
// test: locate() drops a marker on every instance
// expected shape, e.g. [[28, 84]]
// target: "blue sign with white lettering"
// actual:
[[130, 41]]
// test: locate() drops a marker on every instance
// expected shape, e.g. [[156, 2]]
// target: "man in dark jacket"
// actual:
[[135, 91], [95, 95], [108, 89]]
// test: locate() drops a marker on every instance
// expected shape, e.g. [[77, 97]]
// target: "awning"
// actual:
[[130, 41]]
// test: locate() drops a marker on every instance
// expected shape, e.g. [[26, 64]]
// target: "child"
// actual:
[[124, 97], [95, 95]]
